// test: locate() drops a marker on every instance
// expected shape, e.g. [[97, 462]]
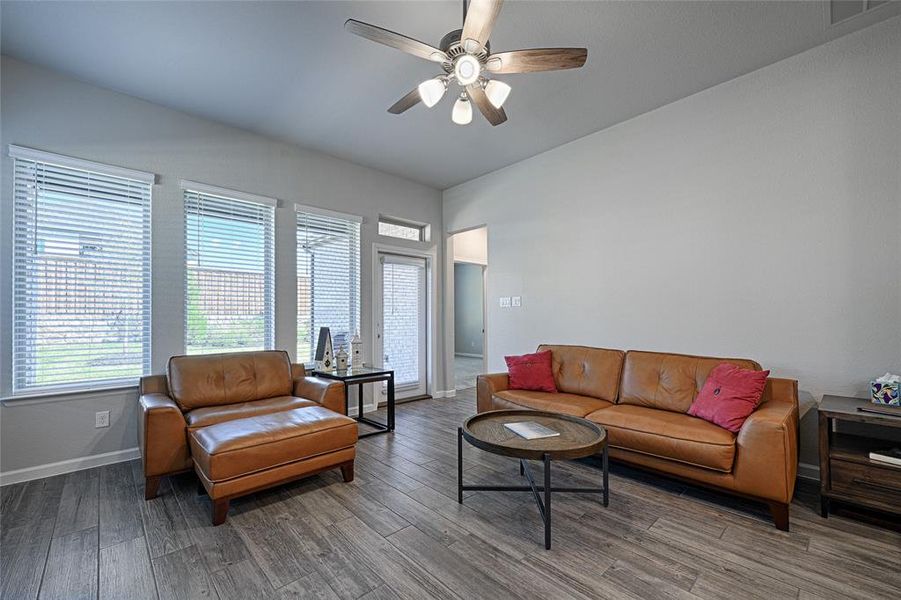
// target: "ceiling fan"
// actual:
[[466, 58]]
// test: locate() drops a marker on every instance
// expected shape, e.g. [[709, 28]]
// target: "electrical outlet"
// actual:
[[101, 419], [517, 300], [505, 301]]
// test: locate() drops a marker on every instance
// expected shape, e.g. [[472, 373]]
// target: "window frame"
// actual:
[[423, 229], [214, 194], [21, 257], [355, 277]]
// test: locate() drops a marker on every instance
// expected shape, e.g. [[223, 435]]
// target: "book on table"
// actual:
[[531, 430], [889, 457]]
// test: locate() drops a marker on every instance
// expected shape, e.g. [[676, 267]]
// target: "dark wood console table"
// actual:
[[846, 472]]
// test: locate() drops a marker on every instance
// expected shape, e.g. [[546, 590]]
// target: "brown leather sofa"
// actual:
[[243, 421], [642, 400]]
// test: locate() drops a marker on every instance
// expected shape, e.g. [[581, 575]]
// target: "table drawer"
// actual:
[[878, 483]]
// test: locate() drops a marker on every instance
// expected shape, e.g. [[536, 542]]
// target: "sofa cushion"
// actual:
[[567, 404], [243, 446], [668, 381], [531, 372], [668, 435], [210, 415], [586, 371], [729, 396], [216, 379]]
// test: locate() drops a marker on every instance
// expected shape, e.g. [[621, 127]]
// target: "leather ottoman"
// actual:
[[243, 456]]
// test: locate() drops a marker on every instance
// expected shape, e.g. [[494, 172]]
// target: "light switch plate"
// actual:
[[101, 419], [505, 301], [516, 300]]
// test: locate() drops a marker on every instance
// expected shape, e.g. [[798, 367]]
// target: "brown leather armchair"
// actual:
[[199, 391]]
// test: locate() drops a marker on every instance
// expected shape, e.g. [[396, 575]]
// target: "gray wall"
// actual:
[[758, 218], [468, 309], [46, 111]]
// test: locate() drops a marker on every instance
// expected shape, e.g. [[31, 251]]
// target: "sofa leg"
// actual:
[[220, 511], [780, 515], [347, 472], [151, 487]]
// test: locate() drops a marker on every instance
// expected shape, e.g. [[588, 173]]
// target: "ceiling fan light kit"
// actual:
[[465, 55], [432, 91], [462, 113]]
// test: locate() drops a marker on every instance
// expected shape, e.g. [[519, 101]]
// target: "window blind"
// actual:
[[328, 279], [229, 275], [81, 273]]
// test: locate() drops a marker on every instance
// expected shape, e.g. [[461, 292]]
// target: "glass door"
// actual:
[[403, 326]]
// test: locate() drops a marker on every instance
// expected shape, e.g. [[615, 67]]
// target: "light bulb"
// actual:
[[466, 69], [462, 114], [497, 92], [432, 91]]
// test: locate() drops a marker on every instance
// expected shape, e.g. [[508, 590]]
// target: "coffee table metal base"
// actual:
[[542, 493]]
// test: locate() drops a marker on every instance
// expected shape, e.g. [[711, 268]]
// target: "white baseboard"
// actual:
[[808, 471], [444, 394], [68, 466]]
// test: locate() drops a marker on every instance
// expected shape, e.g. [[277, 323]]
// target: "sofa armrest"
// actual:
[[327, 392], [486, 386], [766, 462], [162, 435]]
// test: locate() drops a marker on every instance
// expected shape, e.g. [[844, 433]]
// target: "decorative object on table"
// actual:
[[889, 457], [324, 357], [341, 359], [881, 409], [885, 390], [356, 351], [531, 430]]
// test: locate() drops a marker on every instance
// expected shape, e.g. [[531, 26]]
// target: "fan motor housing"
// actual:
[[451, 45]]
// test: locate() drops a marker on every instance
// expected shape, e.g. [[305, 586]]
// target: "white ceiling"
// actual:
[[290, 71]]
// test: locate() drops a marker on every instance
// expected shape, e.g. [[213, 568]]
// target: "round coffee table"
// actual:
[[578, 438]]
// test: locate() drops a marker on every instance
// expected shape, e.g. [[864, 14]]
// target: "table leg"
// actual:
[[391, 402], [347, 399], [547, 501], [605, 460], [360, 400], [521, 468], [460, 465]]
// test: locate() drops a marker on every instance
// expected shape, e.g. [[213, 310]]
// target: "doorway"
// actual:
[[469, 249], [469, 323], [401, 321]]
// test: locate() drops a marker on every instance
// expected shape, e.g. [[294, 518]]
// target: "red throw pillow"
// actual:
[[729, 396], [531, 372]]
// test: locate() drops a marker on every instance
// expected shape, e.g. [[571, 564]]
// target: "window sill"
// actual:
[[57, 395]]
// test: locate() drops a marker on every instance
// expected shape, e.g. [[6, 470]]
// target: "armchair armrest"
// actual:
[[766, 462], [327, 392], [487, 385], [162, 436]]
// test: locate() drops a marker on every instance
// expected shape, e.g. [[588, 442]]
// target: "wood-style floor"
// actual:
[[397, 531]]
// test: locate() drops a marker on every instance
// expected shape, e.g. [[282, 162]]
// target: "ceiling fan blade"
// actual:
[[480, 18], [536, 59], [395, 40], [495, 116], [406, 103]]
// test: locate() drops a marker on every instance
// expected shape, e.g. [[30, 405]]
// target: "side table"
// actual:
[[358, 376], [846, 472]]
